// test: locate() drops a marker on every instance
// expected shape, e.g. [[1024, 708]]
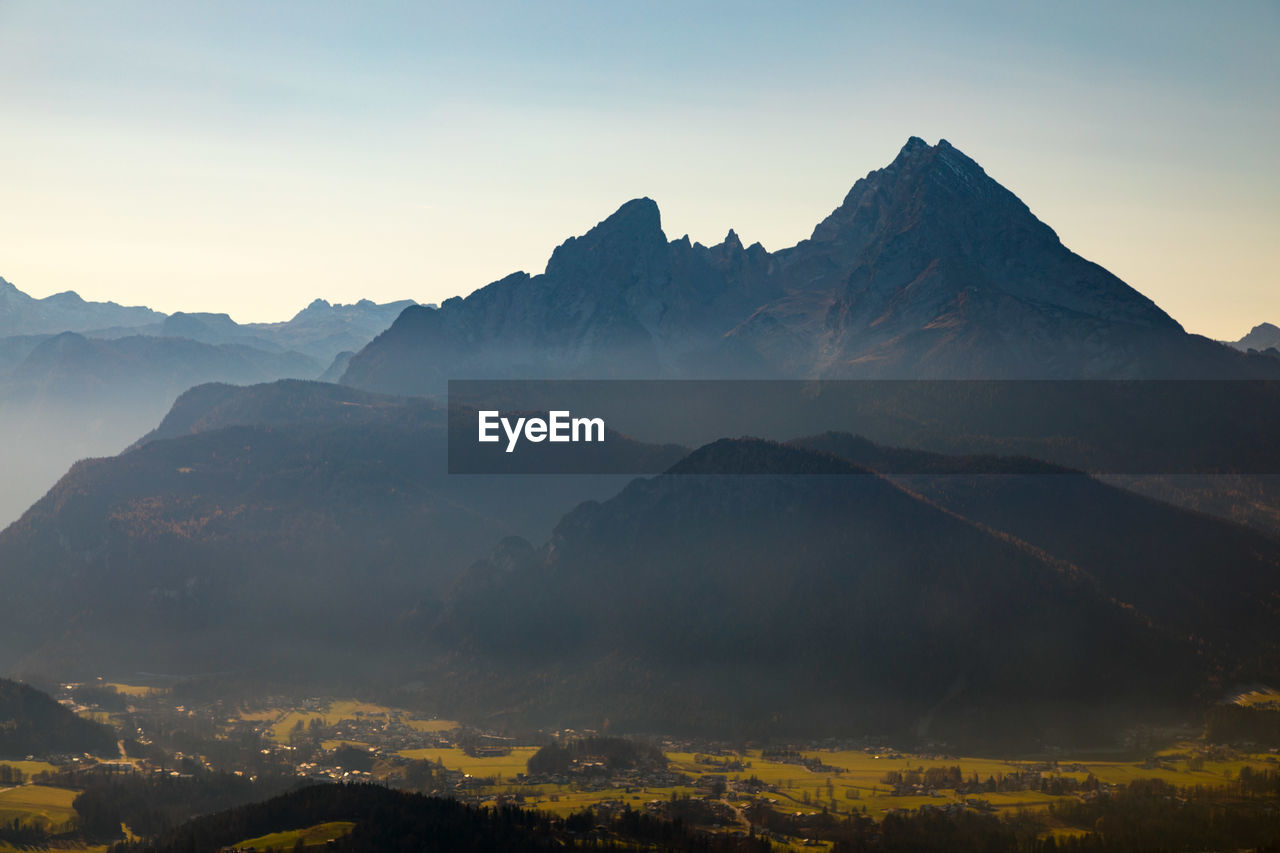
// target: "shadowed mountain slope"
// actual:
[[733, 594], [33, 723], [1196, 575], [274, 528]]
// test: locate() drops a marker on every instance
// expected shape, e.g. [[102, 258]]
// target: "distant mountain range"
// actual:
[[81, 379], [1263, 336], [21, 314], [928, 269], [321, 330]]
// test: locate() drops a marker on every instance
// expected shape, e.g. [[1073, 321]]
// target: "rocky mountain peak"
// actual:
[[634, 231], [1262, 336], [924, 184]]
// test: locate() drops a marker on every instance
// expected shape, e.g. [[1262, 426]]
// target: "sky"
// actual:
[[248, 157]]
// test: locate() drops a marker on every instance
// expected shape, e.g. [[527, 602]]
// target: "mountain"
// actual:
[[1148, 554], [337, 367], [757, 587], [932, 269], [322, 330], [72, 396], [620, 301], [1261, 337], [309, 532], [928, 269], [281, 529], [72, 367], [32, 723], [97, 375], [21, 314], [15, 348]]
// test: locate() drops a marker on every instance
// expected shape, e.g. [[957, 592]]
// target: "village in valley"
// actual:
[[786, 792]]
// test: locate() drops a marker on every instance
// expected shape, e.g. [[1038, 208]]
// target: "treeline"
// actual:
[[153, 804], [1150, 814], [613, 752], [33, 723], [1237, 723], [954, 779], [1147, 815], [933, 832], [923, 831], [389, 821], [103, 696], [23, 833]]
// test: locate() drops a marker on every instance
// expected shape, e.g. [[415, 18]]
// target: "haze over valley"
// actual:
[[272, 524]]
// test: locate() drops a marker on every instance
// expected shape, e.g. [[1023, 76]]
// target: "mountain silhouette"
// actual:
[[929, 268]]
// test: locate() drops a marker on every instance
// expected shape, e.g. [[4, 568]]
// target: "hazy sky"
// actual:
[[250, 156]]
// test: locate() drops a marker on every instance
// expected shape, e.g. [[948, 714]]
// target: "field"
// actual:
[[854, 781], [504, 766], [1262, 697], [134, 689], [312, 836], [335, 744], [37, 804], [334, 713], [63, 847], [30, 767]]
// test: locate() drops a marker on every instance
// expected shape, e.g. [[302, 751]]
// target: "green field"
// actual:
[[31, 767], [335, 712], [506, 766], [431, 725], [860, 784], [1259, 697], [135, 689], [63, 847], [41, 805], [335, 744], [312, 836]]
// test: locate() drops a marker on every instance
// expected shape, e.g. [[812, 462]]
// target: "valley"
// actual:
[[792, 794]]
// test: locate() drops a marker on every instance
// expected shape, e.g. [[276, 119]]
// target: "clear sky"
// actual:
[[250, 156]]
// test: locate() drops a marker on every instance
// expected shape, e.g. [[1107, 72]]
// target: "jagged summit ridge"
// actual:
[[929, 268]]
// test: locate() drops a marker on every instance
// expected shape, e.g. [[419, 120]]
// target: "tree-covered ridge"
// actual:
[[602, 754], [387, 820], [32, 723]]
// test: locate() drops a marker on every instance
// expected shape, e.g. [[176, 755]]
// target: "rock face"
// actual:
[[928, 269]]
